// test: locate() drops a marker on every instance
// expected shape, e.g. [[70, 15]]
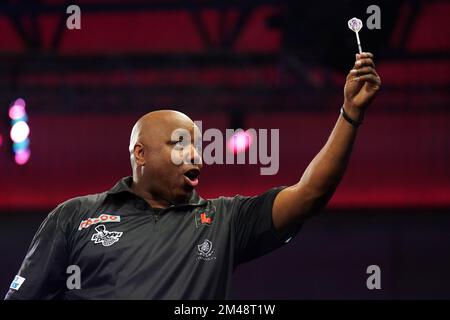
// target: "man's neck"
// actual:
[[154, 202]]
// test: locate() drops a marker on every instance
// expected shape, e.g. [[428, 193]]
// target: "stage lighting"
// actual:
[[20, 131], [239, 142]]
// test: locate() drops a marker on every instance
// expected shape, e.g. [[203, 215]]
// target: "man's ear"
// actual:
[[139, 154]]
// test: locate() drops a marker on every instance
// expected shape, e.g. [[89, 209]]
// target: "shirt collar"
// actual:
[[123, 185]]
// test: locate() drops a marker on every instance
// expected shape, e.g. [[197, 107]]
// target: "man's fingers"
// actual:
[[360, 72], [363, 70], [369, 78], [365, 62], [364, 55]]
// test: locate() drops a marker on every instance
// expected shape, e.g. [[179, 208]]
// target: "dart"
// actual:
[[355, 25]]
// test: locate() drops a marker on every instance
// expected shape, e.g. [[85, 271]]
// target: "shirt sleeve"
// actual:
[[252, 221], [43, 271]]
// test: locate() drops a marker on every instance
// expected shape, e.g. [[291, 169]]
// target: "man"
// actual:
[[152, 237]]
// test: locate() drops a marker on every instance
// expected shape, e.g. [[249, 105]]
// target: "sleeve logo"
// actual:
[[17, 282]]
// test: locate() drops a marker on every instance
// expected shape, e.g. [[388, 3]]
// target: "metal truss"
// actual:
[[24, 16]]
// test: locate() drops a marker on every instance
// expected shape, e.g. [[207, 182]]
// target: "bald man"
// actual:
[[157, 177], [153, 237]]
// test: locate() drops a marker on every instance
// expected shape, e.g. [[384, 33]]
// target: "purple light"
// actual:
[[22, 156], [17, 110], [19, 131], [239, 142]]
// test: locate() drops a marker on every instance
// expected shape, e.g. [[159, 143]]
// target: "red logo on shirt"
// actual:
[[101, 219], [204, 216], [204, 219]]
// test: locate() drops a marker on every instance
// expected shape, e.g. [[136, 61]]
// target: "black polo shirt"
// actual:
[[126, 249]]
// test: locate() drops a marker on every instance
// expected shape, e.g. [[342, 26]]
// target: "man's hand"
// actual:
[[361, 86]]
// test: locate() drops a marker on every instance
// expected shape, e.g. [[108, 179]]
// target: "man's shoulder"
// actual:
[[224, 203], [81, 201], [79, 205], [222, 199], [239, 198], [232, 198], [68, 214]]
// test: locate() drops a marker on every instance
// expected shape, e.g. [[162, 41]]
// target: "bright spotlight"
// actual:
[[239, 142], [20, 130]]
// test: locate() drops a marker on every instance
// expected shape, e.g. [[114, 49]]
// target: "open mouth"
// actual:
[[191, 177]]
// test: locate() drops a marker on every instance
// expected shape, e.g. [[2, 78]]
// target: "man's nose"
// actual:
[[194, 156]]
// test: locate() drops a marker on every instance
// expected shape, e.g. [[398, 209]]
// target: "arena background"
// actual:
[[250, 64]]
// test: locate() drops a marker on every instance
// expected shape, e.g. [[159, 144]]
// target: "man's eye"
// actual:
[[177, 144]]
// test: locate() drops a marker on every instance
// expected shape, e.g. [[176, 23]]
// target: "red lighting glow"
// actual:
[[239, 142]]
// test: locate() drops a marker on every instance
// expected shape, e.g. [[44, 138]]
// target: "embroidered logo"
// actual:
[[101, 219], [205, 251], [204, 216], [105, 237]]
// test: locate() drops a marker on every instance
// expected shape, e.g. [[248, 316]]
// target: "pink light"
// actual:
[[239, 142], [19, 131], [22, 156], [17, 110], [1, 140]]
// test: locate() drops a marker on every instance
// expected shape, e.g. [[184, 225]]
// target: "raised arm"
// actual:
[[319, 181]]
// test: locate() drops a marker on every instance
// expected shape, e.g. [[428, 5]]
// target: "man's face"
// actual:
[[172, 159]]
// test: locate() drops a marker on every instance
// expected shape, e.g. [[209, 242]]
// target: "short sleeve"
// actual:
[[43, 271], [252, 221]]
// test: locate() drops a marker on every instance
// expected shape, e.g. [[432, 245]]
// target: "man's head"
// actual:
[[164, 157]]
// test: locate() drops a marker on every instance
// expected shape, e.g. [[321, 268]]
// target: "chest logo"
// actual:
[[103, 218], [105, 237], [205, 251], [204, 216]]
